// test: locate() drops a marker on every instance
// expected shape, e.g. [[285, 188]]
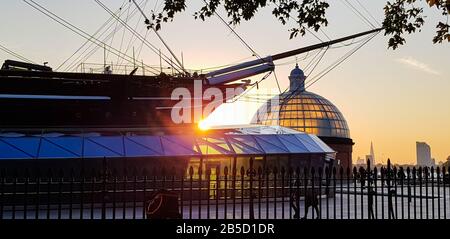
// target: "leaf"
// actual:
[[432, 2]]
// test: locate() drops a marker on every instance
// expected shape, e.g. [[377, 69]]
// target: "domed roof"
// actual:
[[297, 71], [304, 111]]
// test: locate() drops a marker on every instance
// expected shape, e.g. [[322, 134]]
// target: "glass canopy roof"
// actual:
[[215, 143]]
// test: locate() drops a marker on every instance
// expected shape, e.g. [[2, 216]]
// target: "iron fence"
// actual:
[[236, 193]]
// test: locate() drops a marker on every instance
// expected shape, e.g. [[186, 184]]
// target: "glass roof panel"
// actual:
[[29, 145], [309, 143], [148, 141], [320, 143], [7, 151], [246, 139], [48, 149], [134, 148], [94, 149], [292, 144], [179, 145], [213, 146], [271, 144], [71, 144], [113, 143]]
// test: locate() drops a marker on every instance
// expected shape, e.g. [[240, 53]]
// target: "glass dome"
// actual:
[[304, 111]]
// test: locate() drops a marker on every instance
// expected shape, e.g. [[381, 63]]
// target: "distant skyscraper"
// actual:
[[371, 157], [423, 152], [372, 154]]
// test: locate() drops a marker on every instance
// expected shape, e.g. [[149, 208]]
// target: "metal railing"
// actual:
[[224, 193]]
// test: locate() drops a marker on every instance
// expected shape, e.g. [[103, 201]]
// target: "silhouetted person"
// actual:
[[295, 200], [409, 193], [391, 194], [311, 200], [371, 195]]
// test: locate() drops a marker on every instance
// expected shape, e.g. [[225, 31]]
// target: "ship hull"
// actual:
[[53, 99]]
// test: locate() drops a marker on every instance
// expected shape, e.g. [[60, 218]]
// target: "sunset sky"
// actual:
[[390, 98]]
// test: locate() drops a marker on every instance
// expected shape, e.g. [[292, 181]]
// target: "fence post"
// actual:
[[191, 174], [233, 186], [38, 192], [104, 178], [395, 191], [208, 181], [135, 191], [312, 191], [341, 182], [420, 191], [369, 192], [25, 194], [354, 192], [114, 175], [82, 181], [444, 193], [93, 176], [402, 181], [383, 175], [408, 184], [290, 172], [327, 189], [182, 174], [275, 172], [144, 191], [252, 172], [432, 192], [414, 174], [49, 191], [334, 192], [438, 173], [375, 195], [217, 190], [14, 194], [60, 185], [200, 189], [426, 191], [388, 181], [72, 178], [225, 174], [260, 172], [242, 174], [267, 173], [124, 191], [283, 174]]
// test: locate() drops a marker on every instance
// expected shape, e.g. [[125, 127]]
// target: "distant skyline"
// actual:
[[393, 98]]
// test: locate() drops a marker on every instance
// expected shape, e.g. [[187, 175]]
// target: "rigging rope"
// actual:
[[147, 21], [73, 28], [358, 13], [132, 39], [147, 43], [115, 30], [92, 51], [368, 12], [239, 37], [345, 57], [319, 76], [124, 30], [18, 56], [84, 44]]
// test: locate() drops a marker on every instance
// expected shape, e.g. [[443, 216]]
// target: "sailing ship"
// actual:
[[35, 96]]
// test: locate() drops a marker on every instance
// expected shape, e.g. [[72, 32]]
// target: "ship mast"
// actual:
[[266, 64]]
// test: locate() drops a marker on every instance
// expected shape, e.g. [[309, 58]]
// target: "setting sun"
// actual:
[[203, 125]]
